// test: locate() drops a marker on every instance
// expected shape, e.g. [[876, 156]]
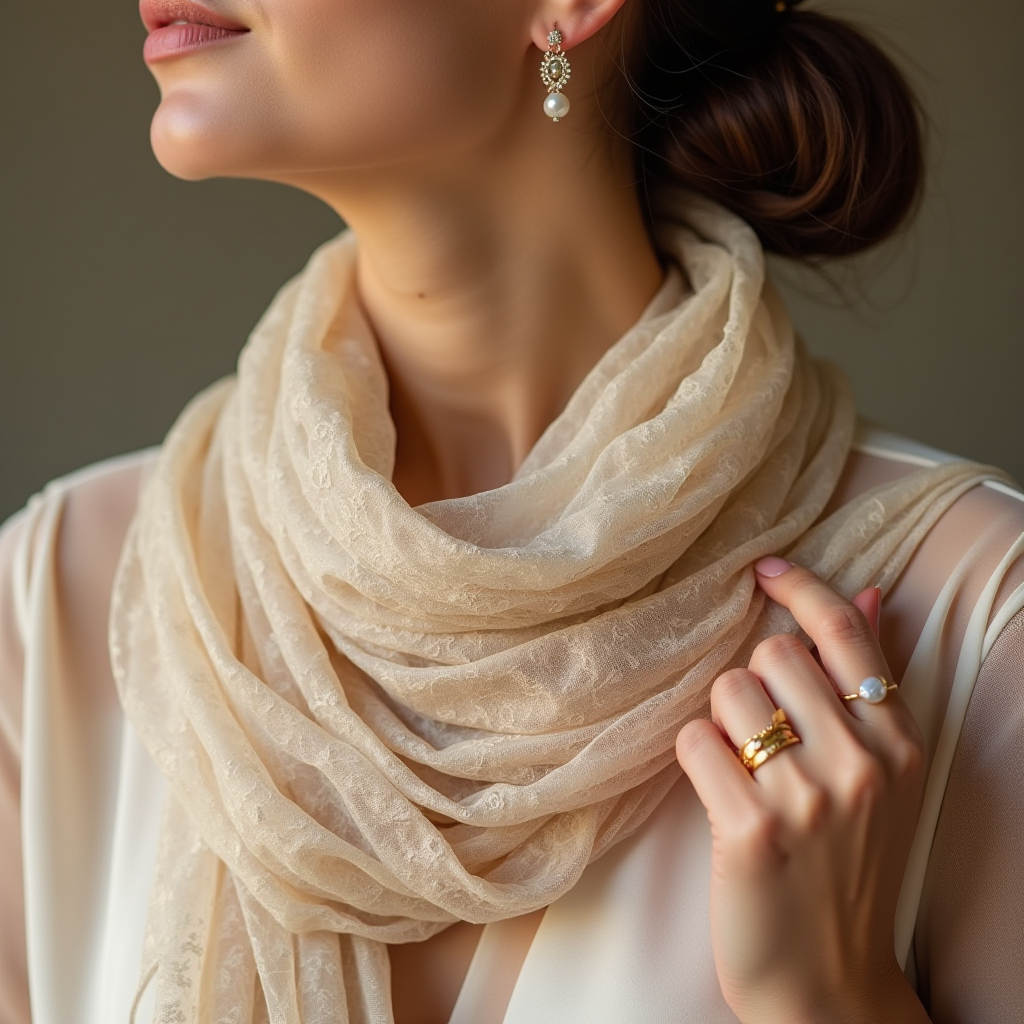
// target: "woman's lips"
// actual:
[[175, 40], [178, 27]]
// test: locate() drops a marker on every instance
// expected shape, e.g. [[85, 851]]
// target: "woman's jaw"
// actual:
[[313, 86], [277, 88]]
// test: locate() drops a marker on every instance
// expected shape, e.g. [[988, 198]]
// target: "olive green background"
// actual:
[[124, 291]]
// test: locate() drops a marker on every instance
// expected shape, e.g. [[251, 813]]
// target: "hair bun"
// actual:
[[798, 123]]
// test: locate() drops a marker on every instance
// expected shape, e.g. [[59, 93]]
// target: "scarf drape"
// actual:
[[377, 720]]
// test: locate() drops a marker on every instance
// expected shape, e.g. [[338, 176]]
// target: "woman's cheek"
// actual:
[[392, 80]]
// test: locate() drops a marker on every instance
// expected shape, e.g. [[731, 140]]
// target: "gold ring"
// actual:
[[874, 690], [768, 742]]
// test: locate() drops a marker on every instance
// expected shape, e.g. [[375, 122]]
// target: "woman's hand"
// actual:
[[809, 851]]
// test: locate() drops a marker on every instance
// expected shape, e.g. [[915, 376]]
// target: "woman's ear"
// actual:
[[577, 20]]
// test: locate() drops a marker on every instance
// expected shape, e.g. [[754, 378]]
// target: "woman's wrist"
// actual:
[[893, 1002], [896, 1003]]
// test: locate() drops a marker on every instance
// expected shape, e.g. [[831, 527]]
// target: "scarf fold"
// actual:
[[377, 720]]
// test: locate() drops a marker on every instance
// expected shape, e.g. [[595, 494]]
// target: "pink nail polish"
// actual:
[[772, 566], [878, 611]]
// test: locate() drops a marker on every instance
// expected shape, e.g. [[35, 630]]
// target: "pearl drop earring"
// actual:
[[554, 73]]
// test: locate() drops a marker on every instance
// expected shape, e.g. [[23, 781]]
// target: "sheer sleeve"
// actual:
[[967, 956], [14, 1006], [69, 540], [970, 934]]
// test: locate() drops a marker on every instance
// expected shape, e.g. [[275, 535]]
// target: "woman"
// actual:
[[410, 622]]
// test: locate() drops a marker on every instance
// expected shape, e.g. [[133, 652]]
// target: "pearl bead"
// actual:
[[556, 105], [873, 690]]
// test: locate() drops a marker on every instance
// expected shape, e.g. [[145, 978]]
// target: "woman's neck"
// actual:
[[493, 289]]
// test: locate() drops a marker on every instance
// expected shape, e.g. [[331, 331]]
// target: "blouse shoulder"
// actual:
[[58, 557], [57, 561], [68, 537]]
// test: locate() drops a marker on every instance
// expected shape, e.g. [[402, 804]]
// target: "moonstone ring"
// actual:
[[874, 690]]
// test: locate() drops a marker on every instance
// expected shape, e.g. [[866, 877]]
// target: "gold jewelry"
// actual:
[[874, 690], [768, 742], [554, 73]]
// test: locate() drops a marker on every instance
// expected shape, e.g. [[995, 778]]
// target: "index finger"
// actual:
[[846, 642]]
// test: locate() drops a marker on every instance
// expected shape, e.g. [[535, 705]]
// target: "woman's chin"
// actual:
[[191, 143]]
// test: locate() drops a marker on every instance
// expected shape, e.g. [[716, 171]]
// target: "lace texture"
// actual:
[[377, 720]]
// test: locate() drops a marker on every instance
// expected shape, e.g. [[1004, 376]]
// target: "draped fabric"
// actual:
[[377, 720]]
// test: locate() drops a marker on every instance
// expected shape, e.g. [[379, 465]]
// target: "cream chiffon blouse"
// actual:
[[630, 943]]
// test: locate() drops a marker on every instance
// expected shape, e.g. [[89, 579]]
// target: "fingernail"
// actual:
[[878, 611], [772, 566]]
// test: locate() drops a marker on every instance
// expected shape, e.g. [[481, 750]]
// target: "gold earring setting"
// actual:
[[554, 73]]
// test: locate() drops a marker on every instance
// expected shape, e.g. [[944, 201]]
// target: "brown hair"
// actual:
[[793, 120]]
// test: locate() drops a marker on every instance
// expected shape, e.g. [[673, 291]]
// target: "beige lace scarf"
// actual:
[[377, 720]]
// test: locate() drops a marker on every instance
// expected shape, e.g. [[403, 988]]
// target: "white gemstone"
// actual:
[[873, 690], [556, 105]]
